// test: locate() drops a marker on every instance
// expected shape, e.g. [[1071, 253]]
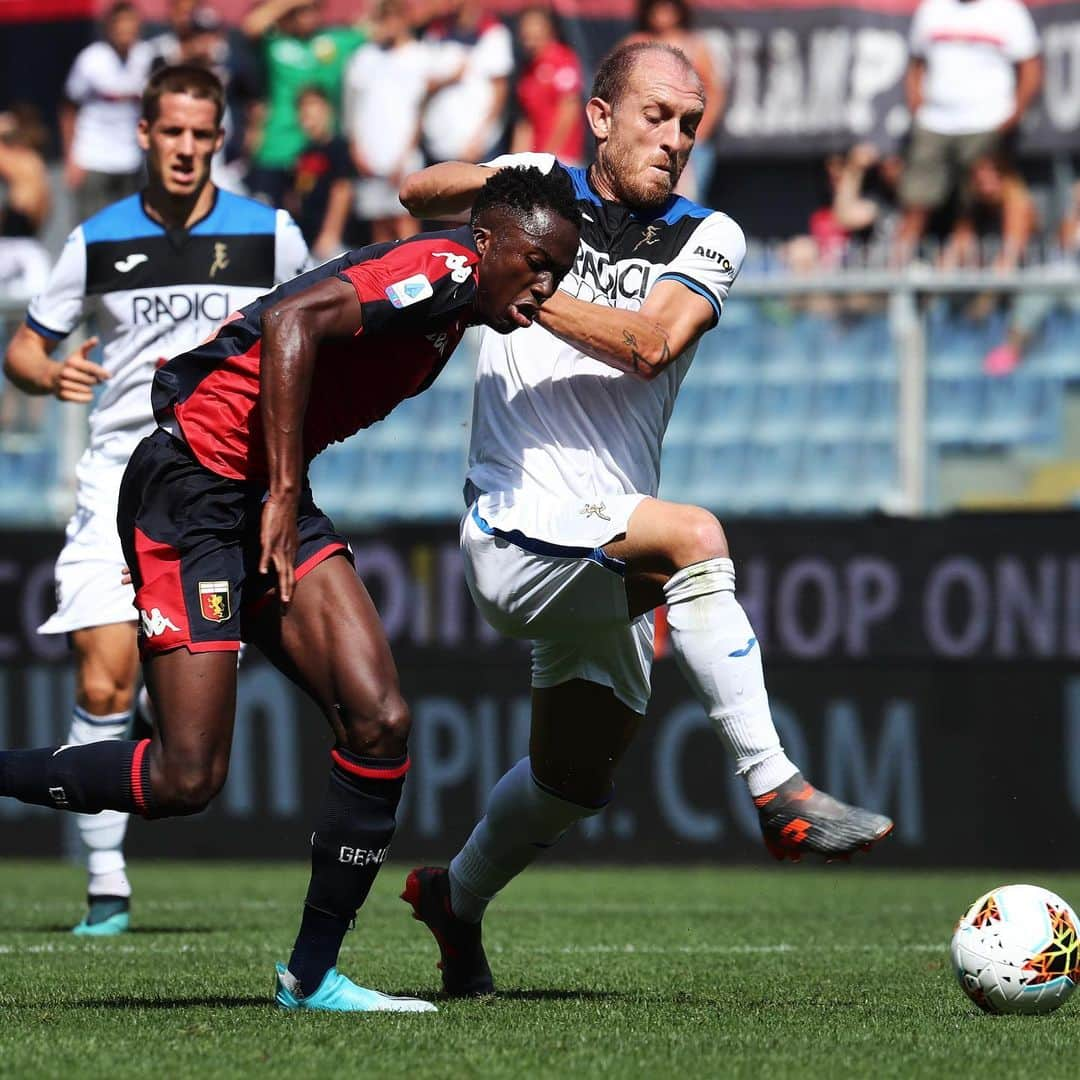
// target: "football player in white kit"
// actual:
[[564, 540], [156, 272]]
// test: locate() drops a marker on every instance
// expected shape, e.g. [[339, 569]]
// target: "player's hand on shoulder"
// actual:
[[77, 375], [279, 540]]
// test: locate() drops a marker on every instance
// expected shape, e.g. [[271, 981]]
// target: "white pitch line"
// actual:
[[736, 950], [628, 949]]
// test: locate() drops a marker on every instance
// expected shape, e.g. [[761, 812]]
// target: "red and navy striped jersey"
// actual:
[[416, 298]]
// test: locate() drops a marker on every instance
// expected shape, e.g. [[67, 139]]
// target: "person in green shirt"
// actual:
[[299, 51]]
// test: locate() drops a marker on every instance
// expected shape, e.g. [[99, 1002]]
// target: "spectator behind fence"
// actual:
[[551, 116], [166, 43], [299, 51], [671, 22], [321, 192], [385, 88], [473, 52], [102, 160], [974, 71], [24, 262], [1030, 310], [1001, 221], [865, 200]]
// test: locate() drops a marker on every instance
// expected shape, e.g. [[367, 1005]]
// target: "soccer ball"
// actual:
[[1016, 950]]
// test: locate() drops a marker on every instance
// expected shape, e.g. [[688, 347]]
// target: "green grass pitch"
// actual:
[[775, 972]]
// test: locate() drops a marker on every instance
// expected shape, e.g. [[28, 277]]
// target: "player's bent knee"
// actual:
[[701, 537], [383, 730], [187, 791], [100, 695]]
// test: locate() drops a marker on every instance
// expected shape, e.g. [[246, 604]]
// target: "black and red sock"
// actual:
[[349, 845], [110, 775]]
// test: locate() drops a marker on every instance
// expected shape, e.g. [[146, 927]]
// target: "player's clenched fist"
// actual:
[[77, 376]]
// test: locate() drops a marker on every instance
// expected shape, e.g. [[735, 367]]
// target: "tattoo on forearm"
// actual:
[[640, 362], [635, 357]]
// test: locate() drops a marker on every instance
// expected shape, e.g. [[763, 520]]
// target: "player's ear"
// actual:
[[142, 134], [219, 142], [598, 113], [481, 238]]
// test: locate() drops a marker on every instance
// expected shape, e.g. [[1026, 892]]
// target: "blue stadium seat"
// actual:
[[1053, 351], [676, 469], [858, 344], [828, 470], [878, 474], [727, 409], [771, 474], [717, 476], [953, 408], [783, 400], [435, 489], [956, 345], [791, 340], [881, 413], [1021, 408], [840, 407]]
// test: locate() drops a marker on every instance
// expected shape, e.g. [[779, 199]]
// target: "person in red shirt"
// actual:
[[551, 119], [225, 542]]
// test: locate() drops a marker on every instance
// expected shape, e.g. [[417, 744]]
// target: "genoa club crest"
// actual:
[[214, 600]]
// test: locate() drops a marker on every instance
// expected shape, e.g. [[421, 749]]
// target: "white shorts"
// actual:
[[536, 571], [89, 591]]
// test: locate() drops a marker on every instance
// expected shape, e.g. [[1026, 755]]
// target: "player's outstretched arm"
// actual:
[[643, 342], [29, 366], [445, 190], [292, 330]]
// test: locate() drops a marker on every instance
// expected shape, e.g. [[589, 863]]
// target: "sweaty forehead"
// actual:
[[665, 79], [526, 229]]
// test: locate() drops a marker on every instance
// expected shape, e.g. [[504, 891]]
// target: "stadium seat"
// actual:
[[953, 408], [783, 400], [827, 475], [840, 407]]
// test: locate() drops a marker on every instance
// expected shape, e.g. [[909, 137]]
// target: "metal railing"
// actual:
[[903, 298]]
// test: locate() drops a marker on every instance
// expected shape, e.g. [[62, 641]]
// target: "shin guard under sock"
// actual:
[[349, 845], [101, 776]]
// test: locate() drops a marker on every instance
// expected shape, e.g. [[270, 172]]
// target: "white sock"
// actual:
[[145, 706], [102, 834], [719, 655], [522, 819]]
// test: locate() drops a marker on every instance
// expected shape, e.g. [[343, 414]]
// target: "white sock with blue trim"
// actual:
[[102, 834], [720, 657]]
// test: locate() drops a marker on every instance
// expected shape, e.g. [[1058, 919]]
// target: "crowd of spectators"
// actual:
[[328, 119]]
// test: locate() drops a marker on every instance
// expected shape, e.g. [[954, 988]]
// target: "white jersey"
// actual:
[[971, 48], [153, 293], [107, 88], [456, 115], [548, 420]]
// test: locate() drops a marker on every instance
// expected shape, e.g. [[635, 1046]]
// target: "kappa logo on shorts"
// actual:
[[410, 291], [214, 600], [154, 623]]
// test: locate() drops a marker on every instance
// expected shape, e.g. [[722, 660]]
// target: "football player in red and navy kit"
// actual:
[[226, 544]]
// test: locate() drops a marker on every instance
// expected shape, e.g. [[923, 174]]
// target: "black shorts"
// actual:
[[191, 541]]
